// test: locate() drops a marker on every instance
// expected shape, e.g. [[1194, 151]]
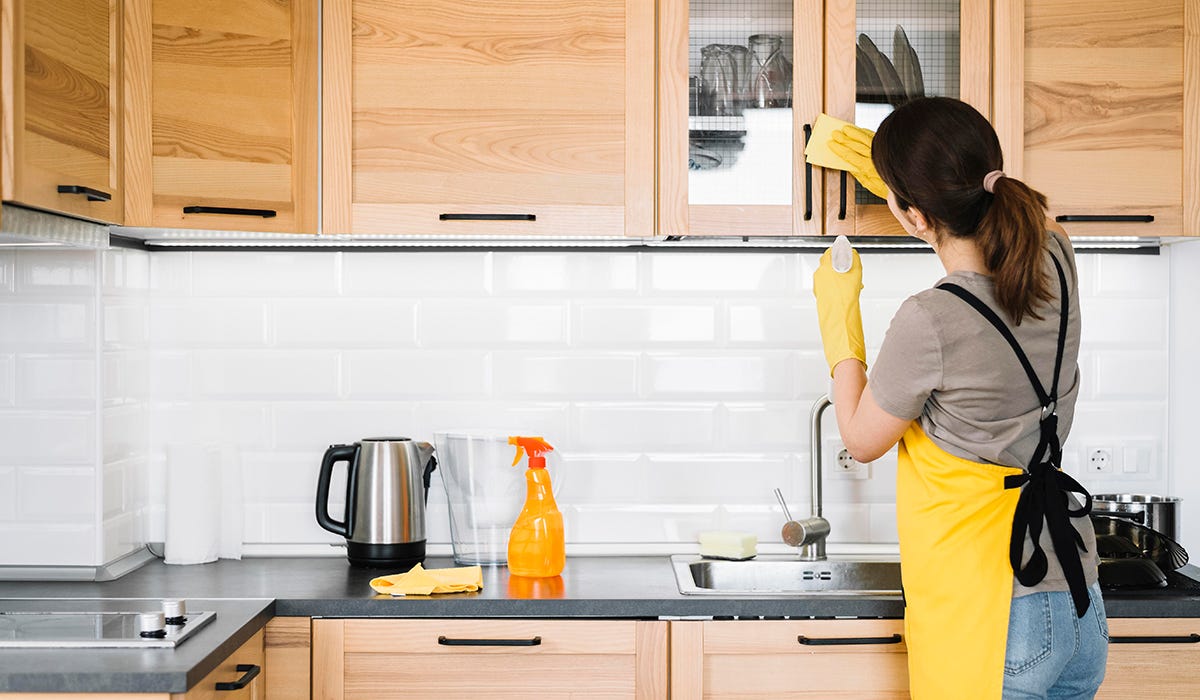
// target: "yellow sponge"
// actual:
[[720, 544]]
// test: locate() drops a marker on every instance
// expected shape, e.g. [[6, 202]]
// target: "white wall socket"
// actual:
[[840, 465], [1098, 460]]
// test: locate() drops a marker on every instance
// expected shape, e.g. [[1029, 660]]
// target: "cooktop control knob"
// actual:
[[175, 611], [152, 625]]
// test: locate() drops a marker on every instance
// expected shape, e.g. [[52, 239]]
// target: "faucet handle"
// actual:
[[779, 494]]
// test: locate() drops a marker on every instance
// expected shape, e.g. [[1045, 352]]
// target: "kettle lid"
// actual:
[[386, 439]]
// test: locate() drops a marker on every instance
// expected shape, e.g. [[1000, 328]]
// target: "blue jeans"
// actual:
[[1051, 652]]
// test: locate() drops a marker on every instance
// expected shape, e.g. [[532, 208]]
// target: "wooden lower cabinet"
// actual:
[[1141, 668], [862, 659], [497, 659], [235, 667], [288, 669]]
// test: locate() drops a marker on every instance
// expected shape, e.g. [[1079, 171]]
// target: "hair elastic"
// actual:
[[989, 180]]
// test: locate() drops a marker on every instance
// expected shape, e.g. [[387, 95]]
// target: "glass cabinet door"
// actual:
[[740, 83], [894, 51]]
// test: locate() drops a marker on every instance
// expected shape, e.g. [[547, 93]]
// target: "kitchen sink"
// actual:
[[787, 575]]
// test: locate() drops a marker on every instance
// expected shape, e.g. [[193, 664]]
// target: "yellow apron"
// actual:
[[955, 523]]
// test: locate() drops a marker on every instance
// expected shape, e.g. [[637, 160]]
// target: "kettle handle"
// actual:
[[335, 454], [429, 467]]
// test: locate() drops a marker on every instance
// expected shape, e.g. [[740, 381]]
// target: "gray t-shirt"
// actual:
[[944, 363]]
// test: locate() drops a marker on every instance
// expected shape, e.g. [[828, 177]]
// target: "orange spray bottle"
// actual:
[[536, 546]]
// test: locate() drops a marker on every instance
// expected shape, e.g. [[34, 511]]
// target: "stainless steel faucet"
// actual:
[[814, 548]]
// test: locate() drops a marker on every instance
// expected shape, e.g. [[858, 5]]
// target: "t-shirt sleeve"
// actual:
[[909, 365]]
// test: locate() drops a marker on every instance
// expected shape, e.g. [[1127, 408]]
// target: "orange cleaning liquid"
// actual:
[[536, 546]]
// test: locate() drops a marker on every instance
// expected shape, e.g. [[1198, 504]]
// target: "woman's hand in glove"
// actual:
[[838, 310], [853, 145]]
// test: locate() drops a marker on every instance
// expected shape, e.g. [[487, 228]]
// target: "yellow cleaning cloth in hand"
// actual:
[[817, 151], [422, 581]]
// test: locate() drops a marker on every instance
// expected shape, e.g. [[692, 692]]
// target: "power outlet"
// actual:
[[841, 465], [1099, 460]]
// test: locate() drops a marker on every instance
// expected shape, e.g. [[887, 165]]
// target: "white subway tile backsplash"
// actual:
[[404, 375], [126, 376], [126, 432], [720, 478], [416, 275], [766, 425], [546, 375], [1126, 276], [126, 272], [522, 273], [720, 273], [245, 425], [344, 323], [219, 323], [126, 324], [121, 535], [883, 523], [63, 272], [56, 381], [608, 325], [48, 544], [266, 374], [586, 478], [171, 274], [279, 274], [47, 326], [789, 324], [47, 437], [114, 488], [8, 380], [8, 494], [630, 524], [471, 323], [769, 375], [310, 425], [853, 522], [57, 495], [287, 477], [899, 275], [1140, 374], [1124, 322], [8, 271], [646, 426], [548, 419]]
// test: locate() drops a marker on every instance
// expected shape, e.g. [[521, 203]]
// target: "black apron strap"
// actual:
[[1044, 486]]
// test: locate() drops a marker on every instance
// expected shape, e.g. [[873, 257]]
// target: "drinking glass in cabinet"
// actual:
[[772, 83]]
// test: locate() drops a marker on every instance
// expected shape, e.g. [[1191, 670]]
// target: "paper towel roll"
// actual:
[[204, 504]]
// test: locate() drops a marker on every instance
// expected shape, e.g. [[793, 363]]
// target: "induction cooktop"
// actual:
[[98, 630]]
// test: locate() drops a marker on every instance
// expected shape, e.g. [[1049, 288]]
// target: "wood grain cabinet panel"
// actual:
[[61, 87], [537, 115], [226, 100], [288, 655], [1110, 112], [765, 659], [381, 659], [1152, 657]]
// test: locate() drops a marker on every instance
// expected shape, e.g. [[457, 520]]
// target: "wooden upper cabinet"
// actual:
[[1110, 95], [485, 117], [62, 114], [865, 79], [223, 102], [739, 87]]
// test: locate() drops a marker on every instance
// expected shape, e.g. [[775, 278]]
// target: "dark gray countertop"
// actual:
[[253, 590]]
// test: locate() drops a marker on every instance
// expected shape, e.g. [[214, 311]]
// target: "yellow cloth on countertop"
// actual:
[[422, 581]]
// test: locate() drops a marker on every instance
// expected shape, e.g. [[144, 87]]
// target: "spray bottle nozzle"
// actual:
[[841, 254], [535, 446]]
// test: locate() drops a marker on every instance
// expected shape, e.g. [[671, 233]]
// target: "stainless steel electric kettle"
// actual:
[[387, 485]]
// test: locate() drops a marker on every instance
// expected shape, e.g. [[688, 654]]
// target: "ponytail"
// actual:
[[1011, 235]]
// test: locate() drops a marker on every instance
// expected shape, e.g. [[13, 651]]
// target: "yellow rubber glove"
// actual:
[[853, 145], [838, 311]]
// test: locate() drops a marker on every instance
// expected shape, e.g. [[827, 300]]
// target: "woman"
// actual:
[[980, 407]]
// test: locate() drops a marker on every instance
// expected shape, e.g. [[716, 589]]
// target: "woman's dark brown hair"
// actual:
[[933, 154]]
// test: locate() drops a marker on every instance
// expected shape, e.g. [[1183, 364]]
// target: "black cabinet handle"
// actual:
[[487, 217], [231, 211], [1106, 218], [842, 200], [249, 672], [92, 194], [807, 176], [847, 641], [448, 642], [1190, 639]]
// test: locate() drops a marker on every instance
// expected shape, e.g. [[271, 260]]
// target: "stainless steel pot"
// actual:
[[1159, 513]]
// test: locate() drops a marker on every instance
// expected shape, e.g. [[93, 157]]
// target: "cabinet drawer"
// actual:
[[236, 667], [499, 658], [1140, 668], [793, 659]]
